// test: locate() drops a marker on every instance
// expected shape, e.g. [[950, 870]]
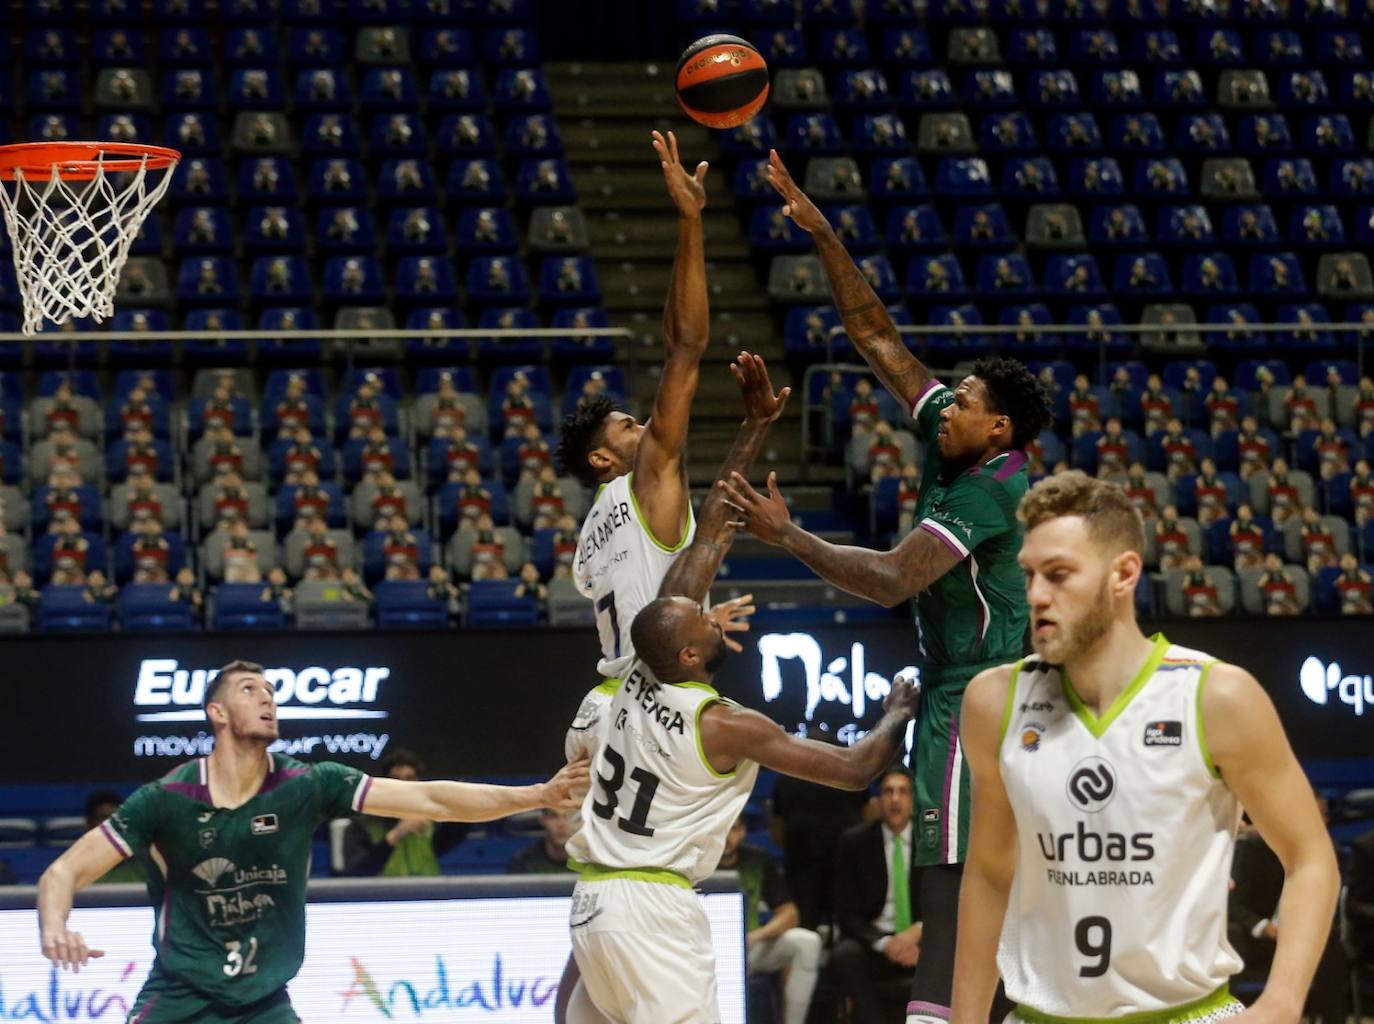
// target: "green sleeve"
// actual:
[[135, 825], [969, 514], [342, 789], [926, 411]]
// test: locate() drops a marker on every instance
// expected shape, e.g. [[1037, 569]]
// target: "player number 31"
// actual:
[[236, 961]]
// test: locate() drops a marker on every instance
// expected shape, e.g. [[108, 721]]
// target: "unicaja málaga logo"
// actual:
[[1322, 682]]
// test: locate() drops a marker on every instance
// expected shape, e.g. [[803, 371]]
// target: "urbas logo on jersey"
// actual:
[[1164, 734]]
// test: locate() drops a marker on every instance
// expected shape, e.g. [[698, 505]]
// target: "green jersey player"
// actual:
[[228, 837], [958, 565]]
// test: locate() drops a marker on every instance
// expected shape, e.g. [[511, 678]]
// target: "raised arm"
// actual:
[[1252, 755], [885, 577], [692, 573], [991, 860], [470, 801], [730, 734], [81, 864], [660, 483], [866, 319]]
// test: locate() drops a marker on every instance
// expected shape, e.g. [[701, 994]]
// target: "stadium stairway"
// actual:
[[606, 111]]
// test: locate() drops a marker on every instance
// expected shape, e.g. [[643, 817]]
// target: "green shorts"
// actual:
[[164, 1000], [941, 809], [1207, 1010]]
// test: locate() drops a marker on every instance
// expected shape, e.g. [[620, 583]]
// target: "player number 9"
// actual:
[[1093, 937]]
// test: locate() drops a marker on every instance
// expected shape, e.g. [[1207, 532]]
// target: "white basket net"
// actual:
[[71, 238]]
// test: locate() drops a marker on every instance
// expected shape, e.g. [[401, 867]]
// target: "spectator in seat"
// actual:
[[448, 414], [1085, 410], [1319, 546], [302, 456], [140, 451], [1277, 590], [863, 406], [462, 456], [1035, 461], [279, 592], [401, 551], [24, 592], [226, 457], [488, 551], [884, 453], [1050, 382], [388, 503], [1170, 541], [309, 501], [1332, 456], [136, 409], [1210, 494], [1283, 494], [220, 411], [1113, 453], [365, 409], [99, 590], [547, 502], [231, 501], [376, 455], [474, 500], [1223, 408], [441, 588], [63, 501], [1252, 448], [1364, 407], [241, 556], [391, 847], [293, 412], [535, 455], [69, 555], [353, 588], [1301, 407], [1200, 596], [184, 591], [908, 492], [151, 553], [144, 505], [321, 553], [1247, 540], [565, 541], [547, 855], [781, 944], [63, 411], [1156, 407], [1353, 587], [1362, 493], [879, 926], [100, 804], [517, 409], [1180, 455], [1142, 495], [531, 585]]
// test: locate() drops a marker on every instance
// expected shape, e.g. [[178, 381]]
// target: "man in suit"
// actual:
[[875, 882]]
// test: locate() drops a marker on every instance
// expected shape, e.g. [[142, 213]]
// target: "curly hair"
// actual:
[[1015, 392], [583, 430], [1111, 517]]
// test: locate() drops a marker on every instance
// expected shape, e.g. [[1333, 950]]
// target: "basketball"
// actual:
[[722, 81]]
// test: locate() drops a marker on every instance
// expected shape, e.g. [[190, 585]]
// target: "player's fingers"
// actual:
[[744, 490], [732, 645], [783, 396], [773, 491], [672, 147], [702, 168]]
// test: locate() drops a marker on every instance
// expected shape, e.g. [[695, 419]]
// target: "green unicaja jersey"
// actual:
[[228, 886], [975, 615]]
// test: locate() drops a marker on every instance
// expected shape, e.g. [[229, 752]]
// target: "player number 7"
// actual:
[[236, 962]]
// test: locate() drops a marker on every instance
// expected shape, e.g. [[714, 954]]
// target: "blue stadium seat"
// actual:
[[568, 280], [954, 347], [1186, 226], [1073, 133], [64, 609], [465, 136], [1095, 177], [238, 606], [484, 229], [1032, 47], [1007, 133], [125, 561], [1157, 46], [1095, 45], [581, 350], [41, 512], [1353, 177], [392, 89], [1118, 225], [771, 232], [335, 514], [1301, 90], [752, 139], [323, 90], [1030, 178], [314, 46], [854, 224], [1208, 275], [861, 90], [258, 88], [398, 134], [386, 378], [1160, 178], [963, 177], [1004, 274], [53, 89], [498, 280], [251, 46], [185, 47], [879, 133], [354, 281], [509, 45], [119, 47], [1246, 374], [1277, 48], [936, 278], [330, 135], [1277, 273], [1085, 449], [1355, 89], [426, 280], [51, 46], [1249, 225], [1289, 178], [417, 231], [1176, 372], [1029, 342], [1202, 135], [813, 135], [497, 350], [407, 604], [543, 182], [202, 231], [273, 280], [289, 347], [194, 134], [1185, 491], [54, 127], [454, 87], [172, 12], [521, 90], [273, 229], [1072, 276], [1317, 370], [1115, 88], [11, 463], [989, 88], [148, 351], [1054, 90], [1178, 89], [782, 46], [148, 608], [1219, 47], [898, 179], [1315, 226], [353, 459], [843, 47], [1264, 133], [613, 377], [806, 330], [533, 135], [494, 603], [1237, 342], [270, 180], [926, 89], [406, 182], [96, 555], [1328, 133], [1339, 47], [207, 281], [478, 181]]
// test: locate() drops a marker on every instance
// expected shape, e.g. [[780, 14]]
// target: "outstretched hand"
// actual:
[[905, 696], [733, 617], [760, 403], [68, 950], [564, 792], [688, 191], [763, 516], [796, 203]]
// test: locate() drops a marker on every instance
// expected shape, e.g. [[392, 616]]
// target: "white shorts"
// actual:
[[645, 952]]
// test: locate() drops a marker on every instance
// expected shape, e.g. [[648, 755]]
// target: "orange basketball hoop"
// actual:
[[73, 210]]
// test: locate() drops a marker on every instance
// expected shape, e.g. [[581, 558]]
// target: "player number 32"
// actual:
[[237, 961]]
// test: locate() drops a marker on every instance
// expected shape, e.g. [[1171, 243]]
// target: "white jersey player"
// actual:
[[1108, 775]]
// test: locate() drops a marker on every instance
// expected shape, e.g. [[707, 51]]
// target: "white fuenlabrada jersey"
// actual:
[[1125, 834], [620, 565], [655, 804]]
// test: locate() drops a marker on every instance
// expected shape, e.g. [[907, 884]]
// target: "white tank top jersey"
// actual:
[[1125, 834], [620, 565], [655, 804]]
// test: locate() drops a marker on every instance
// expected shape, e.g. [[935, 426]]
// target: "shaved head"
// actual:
[[677, 640]]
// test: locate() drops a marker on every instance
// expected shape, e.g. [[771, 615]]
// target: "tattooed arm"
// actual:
[[866, 319], [692, 573], [885, 577]]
